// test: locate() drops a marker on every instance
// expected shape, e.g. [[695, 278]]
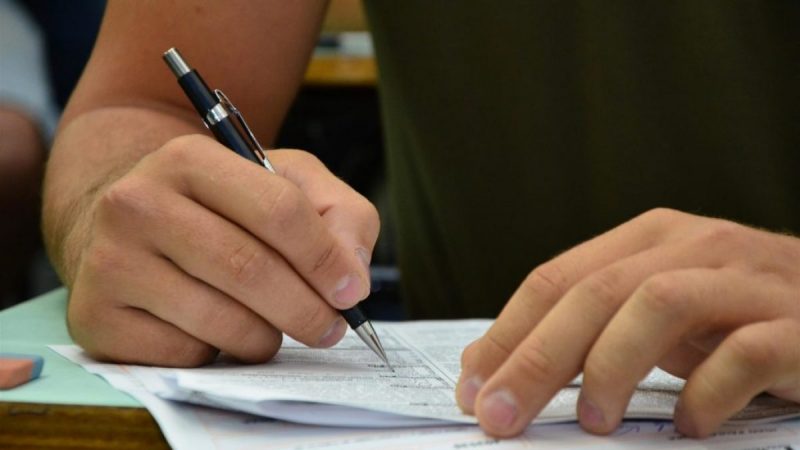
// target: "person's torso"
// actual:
[[515, 130]]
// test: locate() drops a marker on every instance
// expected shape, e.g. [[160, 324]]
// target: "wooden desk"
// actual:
[[44, 426], [67, 407]]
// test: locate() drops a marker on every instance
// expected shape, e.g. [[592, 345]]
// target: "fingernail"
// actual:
[[590, 415], [468, 391], [350, 290], [500, 409], [334, 333]]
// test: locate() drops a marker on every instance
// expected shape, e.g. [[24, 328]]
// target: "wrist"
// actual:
[[90, 153]]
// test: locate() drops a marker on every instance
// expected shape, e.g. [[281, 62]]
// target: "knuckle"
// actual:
[[661, 294], [755, 352], [659, 215], [707, 390], [307, 159], [601, 290], [497, 345], [533, 361], [325, 257], [247, 264], [126, 197], [281, 206], [178, 151], [298, 161], [656, 224], [312, 323], [724, 234], [600, 371], [546, 281]]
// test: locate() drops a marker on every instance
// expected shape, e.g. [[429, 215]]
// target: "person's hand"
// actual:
[[197, 250], [708, 300]]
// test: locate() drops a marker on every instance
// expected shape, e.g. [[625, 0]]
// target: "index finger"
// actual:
[[545, 286]]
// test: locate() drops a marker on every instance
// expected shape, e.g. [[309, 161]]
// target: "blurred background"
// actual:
[[43, 47]]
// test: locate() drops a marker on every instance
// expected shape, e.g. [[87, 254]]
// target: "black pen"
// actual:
[[216, 111]]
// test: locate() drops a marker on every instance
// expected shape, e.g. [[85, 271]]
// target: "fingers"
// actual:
[[763, 356], [139, 308], [545, 286], [132, 336], [210, 248], [271, 208], [541, 341], [665, 310], [203, 312], [554, 351]]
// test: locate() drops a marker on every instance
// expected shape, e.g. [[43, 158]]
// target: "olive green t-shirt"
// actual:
[[517, 129]]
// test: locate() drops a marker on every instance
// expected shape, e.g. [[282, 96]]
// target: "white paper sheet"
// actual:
[[359, 392], [426, 357], [191, 427]]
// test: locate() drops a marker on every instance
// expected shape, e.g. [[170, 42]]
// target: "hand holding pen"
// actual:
[[230, 128], [184, 249]]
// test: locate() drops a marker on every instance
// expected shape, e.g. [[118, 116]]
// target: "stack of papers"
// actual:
[[349, 388]]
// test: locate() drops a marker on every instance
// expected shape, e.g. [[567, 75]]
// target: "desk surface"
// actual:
[[67, 406], [29, 328]]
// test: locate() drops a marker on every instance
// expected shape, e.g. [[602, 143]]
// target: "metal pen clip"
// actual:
[[254, 144]]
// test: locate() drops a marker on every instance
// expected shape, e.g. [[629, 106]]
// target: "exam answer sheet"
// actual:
[[308, 385], [347, 387]]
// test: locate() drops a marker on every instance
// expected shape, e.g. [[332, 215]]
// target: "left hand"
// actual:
[[705, 299]]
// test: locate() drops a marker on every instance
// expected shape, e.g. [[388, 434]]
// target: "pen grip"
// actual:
[[353, 316]]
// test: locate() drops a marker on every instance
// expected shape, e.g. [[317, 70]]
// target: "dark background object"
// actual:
[[69, 30]]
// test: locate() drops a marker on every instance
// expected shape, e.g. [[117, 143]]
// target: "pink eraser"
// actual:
[[17, 369]]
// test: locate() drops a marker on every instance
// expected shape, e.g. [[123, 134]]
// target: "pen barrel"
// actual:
[[204, 101], [353, 316], [226, 133], [198, 92]]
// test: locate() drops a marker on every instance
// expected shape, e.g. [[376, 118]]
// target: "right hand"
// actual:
[[196, 250]]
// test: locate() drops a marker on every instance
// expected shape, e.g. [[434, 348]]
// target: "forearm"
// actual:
[[95, 149]]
